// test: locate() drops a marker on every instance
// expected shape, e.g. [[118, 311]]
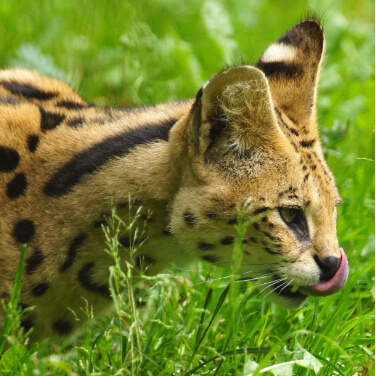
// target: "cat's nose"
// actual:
[[328, 266]]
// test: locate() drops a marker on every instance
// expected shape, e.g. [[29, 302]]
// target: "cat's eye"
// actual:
[[290, 215]]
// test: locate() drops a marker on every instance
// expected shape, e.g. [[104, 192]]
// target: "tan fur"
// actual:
[[245, 135]]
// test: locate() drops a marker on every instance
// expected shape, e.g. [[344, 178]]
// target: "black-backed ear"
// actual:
[[234, 112], [292, 66]]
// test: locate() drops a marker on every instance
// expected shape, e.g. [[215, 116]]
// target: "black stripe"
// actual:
[[280, 68], [34, 261], [71, 105], [28, 91], [190, 219], [75, 122], [307, 144], [49, 120], [260, 210], [17, 186], [211, 259], [72, 252], [85, 277], [291, 130], [62, 326], [205, 246], [32, 142], [40, 289], [97, 155]]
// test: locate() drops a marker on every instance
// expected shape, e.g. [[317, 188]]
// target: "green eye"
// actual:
[[289, 215]]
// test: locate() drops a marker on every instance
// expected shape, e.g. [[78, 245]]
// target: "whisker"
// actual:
[[269, 284], [236, 275]]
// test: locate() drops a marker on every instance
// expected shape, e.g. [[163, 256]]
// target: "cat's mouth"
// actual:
[[320, 289]]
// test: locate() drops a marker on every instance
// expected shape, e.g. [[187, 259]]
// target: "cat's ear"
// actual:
[[234, 112], [292, 67]]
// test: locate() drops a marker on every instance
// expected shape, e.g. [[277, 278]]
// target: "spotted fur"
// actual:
[[251, 131]]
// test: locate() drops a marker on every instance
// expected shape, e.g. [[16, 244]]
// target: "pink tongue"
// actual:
[[333, 285]]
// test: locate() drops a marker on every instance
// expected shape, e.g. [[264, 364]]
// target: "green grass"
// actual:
[[189, 321]]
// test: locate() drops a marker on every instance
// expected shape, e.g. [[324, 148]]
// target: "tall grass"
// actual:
[[200, 321]]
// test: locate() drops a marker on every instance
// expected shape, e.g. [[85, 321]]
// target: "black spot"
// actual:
[[307, 144], [125, 241], [71, 105], [34, 261], [211, 259], [143, 261], [9, 159], [190, 219], [28, 91], [304, 168], [72, 252], [280, 68], [305, 177], [40, 289], [91, 159], [313, 167], [167, 231], [23, 306], [49, 120], [293, 131], [270, 251], [85, 278], [125, 204], [32, 142], [247, 253], [23, 230], [210, 214], [256, 226], [17, 186], [148, 218], [62, 326], [227, 240], [98, 224], [232, 221], [260, 210], [27, 324], [205, 246], [252, 239], [268, 235], [76, 122], [264, 219], [245, 241]]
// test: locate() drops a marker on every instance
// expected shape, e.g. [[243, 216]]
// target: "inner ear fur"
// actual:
[[235, 109], [292, 67]]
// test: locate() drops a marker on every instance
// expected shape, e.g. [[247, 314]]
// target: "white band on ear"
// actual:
[[279, 52]]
